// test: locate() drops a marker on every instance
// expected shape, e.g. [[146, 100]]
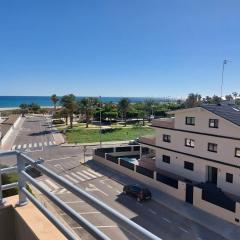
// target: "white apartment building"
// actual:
[[201, 144]]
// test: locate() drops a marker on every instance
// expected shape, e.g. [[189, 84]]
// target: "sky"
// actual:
[[150, 48]]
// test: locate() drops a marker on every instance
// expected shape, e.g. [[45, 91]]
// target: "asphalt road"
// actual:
[[106, 185]]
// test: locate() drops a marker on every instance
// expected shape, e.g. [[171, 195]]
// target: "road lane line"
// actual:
[[56, 187], [50, 143], [19, 146], [89, 174], [42, 184], [29, 145], [93, 172], [151, 211], [25, 146], [45, 143], [40, 144], [83, 175], [109, 186], [79, 178], [70, 178], [77, 201], [35, 145], [166, 220], [182, 229], [13, 147], [54, 143]]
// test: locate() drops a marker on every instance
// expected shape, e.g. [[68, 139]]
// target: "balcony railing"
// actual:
[[25, 195], [163, 122]]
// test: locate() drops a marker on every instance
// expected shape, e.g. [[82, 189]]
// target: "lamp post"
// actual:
[[100, 122], [224, 62]]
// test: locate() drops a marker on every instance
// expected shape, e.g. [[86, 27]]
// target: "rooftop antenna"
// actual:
[[223, 67]]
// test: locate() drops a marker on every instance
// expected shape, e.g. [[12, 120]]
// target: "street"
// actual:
[[36, 140]]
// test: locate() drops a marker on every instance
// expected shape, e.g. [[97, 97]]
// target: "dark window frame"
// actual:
[[166, 138], [214, 145], [229, 177], [191, 140], [215, 123], [189, 165], [166, 159], [236, 150], [191, 121]]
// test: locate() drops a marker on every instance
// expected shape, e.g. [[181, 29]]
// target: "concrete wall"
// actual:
[[214, 209], [6, 227], [179, 193], [8, 134]]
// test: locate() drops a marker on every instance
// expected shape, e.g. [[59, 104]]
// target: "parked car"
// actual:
[[134, 142], [137, 191]]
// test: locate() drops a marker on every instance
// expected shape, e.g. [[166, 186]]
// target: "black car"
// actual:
[[137, 191]]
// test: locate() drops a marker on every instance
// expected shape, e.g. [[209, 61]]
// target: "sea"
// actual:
[[45, 101]]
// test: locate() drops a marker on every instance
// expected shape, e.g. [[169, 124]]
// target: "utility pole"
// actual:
[[224, 62], [100, 122]]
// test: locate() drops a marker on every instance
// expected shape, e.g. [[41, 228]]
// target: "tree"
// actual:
[[235, 94], [87, 106], [69, 102], [148, 105], [229, 97], [124, 106], [24, 108], [34, 107], [216, 99], [193, 100], [54, 100]]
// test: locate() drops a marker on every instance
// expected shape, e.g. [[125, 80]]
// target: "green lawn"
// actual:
[[84, 135]]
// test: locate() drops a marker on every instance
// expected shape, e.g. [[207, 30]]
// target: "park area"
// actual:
[[81, 134]]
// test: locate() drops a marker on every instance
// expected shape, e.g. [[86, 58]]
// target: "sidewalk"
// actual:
[[211, 222], [93, 143]]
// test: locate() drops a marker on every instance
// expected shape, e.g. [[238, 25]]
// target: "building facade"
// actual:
[[200, 144]]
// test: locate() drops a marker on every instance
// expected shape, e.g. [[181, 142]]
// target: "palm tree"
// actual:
[[124, 105], [87, 106], [24, 108], [54, 100], [69, 103]]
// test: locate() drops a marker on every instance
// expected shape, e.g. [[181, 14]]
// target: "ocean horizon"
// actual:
[[45, 101]]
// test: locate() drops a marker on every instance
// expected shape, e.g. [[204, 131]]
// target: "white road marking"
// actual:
[[56, 187], [19, 146], [98, 174], [89, 174], [83, 175], [71, 178], [54, 143], [13, 147], [79, 178], [77, 201], [166, 220], [86, 213], [29, 145], [40, 144], [42, 184], [25, 146], [35, 145], [62, 191], [182, 229], [118, 192], [45, 143], [92, 187], [151, 211], [109, 186], [50, 143]]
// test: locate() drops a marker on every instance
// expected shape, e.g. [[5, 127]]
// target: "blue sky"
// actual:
[[149, 48]]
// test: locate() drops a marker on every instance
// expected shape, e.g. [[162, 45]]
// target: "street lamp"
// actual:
[[224, 62], [100, 122]]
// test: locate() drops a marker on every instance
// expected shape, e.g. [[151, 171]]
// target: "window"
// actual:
[[229, 178], [166, 159], [166, 138], [190, 121], [189, 142], [213, 123], [237, 152], [188, 165], [212, 147]]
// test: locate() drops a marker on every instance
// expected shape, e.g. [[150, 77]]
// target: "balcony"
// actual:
[[148, 140], [164, 122]]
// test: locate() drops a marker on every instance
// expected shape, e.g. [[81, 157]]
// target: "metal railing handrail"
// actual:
[[22, 160]]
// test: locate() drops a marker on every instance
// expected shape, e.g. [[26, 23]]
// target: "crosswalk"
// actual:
[[73, 177], [34, 145]]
